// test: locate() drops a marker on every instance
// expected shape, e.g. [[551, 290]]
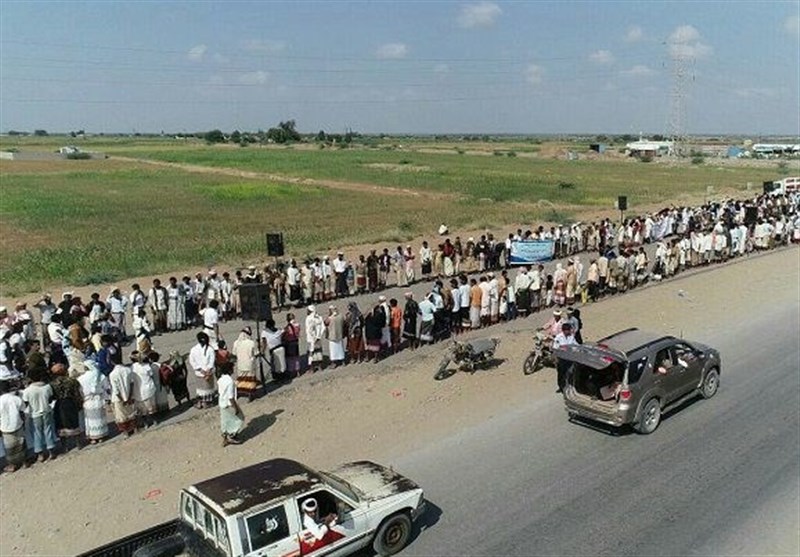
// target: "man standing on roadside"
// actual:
[[117, 303], [315, 331], [340, 271], [475, 304], [523, 283], [463, 300], [535, 289], [46, 309], [602, 273], [231, 416], [245, 352], [410, 317], [176, 305], [564, 338], [137, 299], [335, 327], [425, 261], [159, 302]]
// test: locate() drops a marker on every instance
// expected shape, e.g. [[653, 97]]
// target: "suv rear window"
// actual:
[[635, 370]]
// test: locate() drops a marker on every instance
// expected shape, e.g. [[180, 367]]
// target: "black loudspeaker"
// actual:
[[255, 302], [768, 187], [275, 245], [750, 215], [622, 203]]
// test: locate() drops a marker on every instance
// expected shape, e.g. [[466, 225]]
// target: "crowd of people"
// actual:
[[58, 379]]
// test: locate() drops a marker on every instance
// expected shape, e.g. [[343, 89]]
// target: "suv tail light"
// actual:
[[625, 394]]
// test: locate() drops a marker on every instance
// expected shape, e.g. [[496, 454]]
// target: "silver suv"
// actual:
[[632, 376]]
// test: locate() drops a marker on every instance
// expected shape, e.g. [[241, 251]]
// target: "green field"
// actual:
[[84, 222], [499, 178], [94, 227]]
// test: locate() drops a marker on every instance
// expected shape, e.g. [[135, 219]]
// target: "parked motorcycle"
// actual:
[[467, 355], [540, 356]]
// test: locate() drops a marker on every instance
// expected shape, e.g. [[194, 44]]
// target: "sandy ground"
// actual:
[[379, 412]]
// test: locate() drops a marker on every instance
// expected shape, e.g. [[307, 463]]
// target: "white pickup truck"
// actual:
[[257, 512]]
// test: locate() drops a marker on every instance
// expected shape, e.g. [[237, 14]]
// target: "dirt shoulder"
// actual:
[[368, 411]]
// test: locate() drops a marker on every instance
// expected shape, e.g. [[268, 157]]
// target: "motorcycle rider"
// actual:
[[553, 325]]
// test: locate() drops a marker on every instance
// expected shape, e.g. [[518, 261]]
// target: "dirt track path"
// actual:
[[368, 411], [334, 184]]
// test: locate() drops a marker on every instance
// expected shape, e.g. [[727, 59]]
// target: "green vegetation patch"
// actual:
[[87, 228], [259, 191], [500, 178]]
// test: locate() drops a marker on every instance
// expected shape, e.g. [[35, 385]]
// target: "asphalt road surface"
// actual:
[[718, 477]]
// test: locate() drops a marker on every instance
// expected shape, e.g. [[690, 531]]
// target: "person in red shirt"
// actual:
[[395, 323]]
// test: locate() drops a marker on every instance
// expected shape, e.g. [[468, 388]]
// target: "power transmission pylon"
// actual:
[[677, 110]]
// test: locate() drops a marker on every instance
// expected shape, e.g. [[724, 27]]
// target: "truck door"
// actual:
[[347, 534], [271, 534]]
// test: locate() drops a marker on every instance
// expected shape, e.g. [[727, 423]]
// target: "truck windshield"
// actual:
[[341, 485], [209, 526]]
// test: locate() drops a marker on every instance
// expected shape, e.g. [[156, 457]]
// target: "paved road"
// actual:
[[719, 477]]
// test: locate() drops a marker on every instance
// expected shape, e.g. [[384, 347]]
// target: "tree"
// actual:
[[290, 132], [284, 133], [214, 136], [321, 136], [276, 135], [236, 136], [40, 133]]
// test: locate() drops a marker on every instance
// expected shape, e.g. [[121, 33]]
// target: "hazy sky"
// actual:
[[400, 66]]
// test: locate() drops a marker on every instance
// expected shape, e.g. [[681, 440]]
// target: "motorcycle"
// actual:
[[540, 356], [467, 355]]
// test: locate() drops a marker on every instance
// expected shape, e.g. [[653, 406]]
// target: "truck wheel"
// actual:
[[393, 535], [532, 363], [710, 383], [650, 417]]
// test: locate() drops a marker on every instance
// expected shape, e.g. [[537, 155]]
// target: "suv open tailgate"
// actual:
[[590, 355]]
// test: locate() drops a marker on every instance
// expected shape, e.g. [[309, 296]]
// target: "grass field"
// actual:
[[499, 178], [100, 226], [82, 222]]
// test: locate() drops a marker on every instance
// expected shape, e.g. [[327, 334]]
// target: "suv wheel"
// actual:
[[393, 535], [650, 417], [710, 383]]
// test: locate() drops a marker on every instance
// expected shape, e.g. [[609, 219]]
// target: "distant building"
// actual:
[[645, 148], [767, 149]]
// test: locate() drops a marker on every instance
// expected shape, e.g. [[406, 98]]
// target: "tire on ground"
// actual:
[[710, 383], [649, 418], [393, 535]]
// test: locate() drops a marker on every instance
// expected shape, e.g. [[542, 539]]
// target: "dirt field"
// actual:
[[378, 412]]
